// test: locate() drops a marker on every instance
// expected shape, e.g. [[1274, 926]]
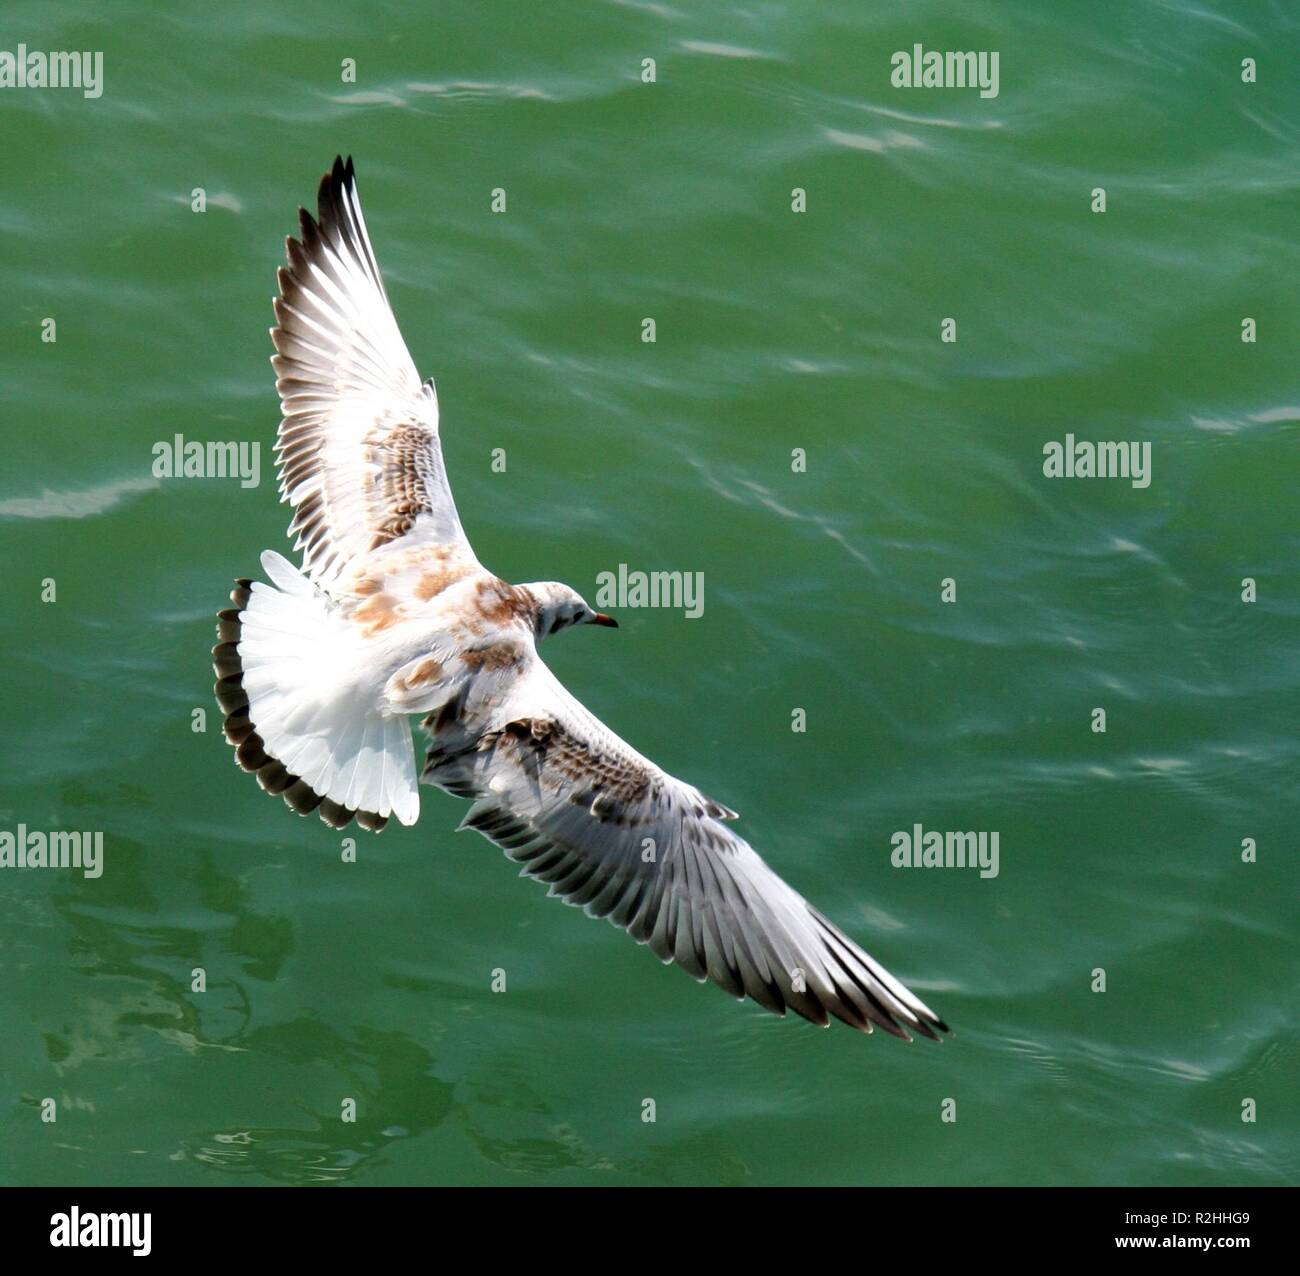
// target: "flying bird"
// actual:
[[391, 614]]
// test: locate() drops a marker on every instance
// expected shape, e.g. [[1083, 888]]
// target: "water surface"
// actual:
[[775, 330]]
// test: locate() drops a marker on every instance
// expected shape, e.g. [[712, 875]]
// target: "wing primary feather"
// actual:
[[608, 831]]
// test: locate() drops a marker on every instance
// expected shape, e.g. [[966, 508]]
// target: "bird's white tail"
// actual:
[[296, 715]]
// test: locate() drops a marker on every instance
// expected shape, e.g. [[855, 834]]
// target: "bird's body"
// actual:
[[392, 615]]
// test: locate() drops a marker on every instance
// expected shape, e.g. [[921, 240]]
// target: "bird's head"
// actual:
[[559, 607]]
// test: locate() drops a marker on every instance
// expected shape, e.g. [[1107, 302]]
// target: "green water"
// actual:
[[775, 330]]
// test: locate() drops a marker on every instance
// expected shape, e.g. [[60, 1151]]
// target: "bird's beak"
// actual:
[[601, 619]]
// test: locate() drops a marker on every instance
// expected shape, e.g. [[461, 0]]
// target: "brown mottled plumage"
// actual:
[[392, 614]]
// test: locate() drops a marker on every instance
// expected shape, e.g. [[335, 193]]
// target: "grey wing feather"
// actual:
[[358, 450], [614, 834]]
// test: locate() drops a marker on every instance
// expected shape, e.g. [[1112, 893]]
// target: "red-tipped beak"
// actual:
[[601, 619]]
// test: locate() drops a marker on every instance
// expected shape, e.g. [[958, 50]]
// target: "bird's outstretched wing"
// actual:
[[611, 832], [358, 452]]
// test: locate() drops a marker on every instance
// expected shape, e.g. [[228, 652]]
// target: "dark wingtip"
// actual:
[[331, 184], [931, 1029]]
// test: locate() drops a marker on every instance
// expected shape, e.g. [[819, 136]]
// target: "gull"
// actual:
[[391, 614]]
